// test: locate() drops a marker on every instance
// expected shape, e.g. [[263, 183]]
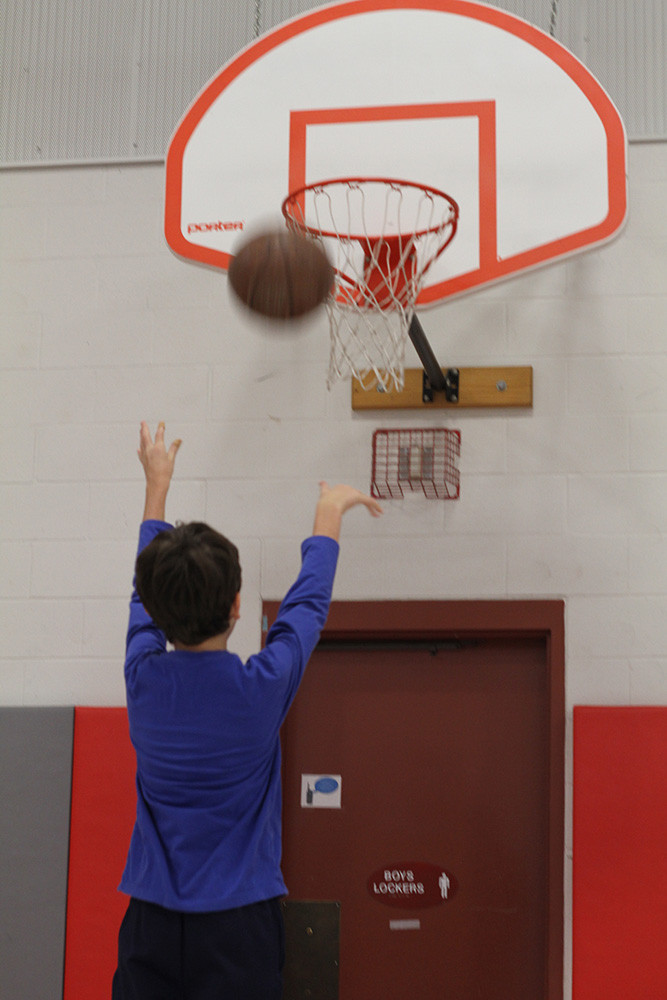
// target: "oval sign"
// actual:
[[412, 885], [326, 785]]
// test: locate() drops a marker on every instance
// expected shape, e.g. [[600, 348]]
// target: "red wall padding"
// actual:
[[619, 875], [103, 809], [620, 854]]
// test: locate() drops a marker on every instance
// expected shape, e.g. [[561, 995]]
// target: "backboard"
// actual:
[[455, 94]]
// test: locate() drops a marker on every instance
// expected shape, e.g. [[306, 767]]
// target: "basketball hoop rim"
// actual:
[[294, 196]]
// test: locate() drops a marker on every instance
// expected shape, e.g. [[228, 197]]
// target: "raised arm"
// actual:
[[333, 502], [158, 463]]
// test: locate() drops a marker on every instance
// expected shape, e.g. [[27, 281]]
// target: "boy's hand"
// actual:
[[158, 464], [346, 497], [334, 501]]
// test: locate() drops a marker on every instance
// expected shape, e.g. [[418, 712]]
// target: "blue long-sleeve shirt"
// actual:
[[205, 728]]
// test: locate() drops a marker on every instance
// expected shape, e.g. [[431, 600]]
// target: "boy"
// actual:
[[203, 868]]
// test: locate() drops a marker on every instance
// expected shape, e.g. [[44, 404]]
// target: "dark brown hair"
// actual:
[[187, 578]]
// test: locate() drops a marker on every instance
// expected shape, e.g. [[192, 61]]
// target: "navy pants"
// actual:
[[227, 955]]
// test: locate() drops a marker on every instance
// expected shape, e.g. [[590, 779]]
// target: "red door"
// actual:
[[442, 763]]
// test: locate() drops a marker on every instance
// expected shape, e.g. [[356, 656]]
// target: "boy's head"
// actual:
[[187, 578]]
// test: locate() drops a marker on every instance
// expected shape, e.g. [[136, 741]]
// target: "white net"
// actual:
[[381, 236]]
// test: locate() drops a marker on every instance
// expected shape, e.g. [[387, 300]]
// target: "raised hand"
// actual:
[[334, 501], [158, 464]]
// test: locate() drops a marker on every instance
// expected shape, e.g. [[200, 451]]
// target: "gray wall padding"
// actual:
[[35, 789]]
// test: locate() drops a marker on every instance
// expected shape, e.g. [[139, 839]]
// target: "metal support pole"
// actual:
[[426, 356], [435, 380]]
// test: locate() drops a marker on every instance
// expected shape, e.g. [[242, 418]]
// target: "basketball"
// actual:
[[281, 274]]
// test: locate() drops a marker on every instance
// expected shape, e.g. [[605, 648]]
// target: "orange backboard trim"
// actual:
[[485, 113]]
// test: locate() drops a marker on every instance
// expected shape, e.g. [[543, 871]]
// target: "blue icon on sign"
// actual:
[[326, 785]]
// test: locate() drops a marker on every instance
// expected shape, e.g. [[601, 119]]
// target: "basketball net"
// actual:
[[381, 235]]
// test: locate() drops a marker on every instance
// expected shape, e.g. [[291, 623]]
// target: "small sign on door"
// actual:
[[412, 885], [321, 791]]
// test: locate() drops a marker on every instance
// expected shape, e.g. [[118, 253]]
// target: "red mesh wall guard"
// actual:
[[102, 816], [422, 460], [620, 854]]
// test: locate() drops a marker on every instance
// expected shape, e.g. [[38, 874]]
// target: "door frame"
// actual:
[[406, 621]]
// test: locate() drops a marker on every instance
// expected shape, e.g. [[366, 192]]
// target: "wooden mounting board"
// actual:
[[478, 387]]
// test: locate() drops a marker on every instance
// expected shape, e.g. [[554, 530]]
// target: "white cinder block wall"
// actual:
[[102, 326]]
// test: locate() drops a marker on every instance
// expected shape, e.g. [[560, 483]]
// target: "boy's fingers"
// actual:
[[372, 505], [144, 434], [175, 445]]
